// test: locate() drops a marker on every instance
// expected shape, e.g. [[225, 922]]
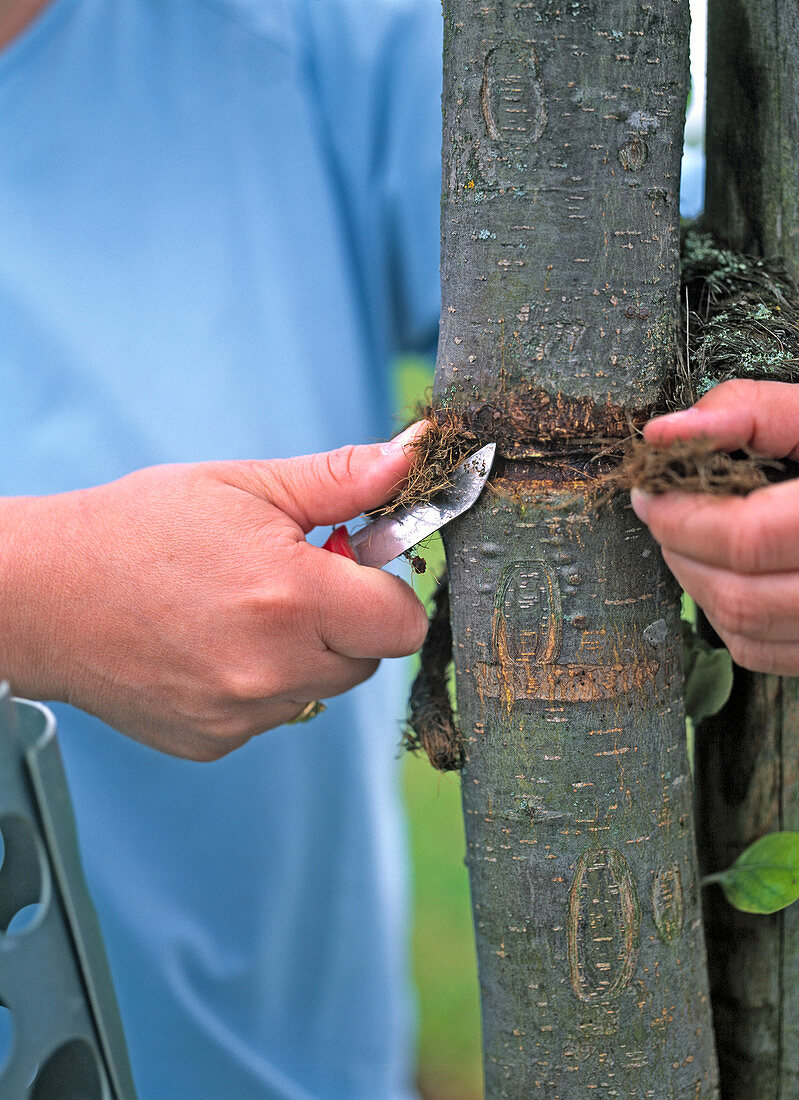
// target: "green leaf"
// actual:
[[764, 877], [688, 610], [708, 677]]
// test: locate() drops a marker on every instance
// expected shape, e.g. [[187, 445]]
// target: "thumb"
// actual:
[[337, 485]]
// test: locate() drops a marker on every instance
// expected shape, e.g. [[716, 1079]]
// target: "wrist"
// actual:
[[34, 585]]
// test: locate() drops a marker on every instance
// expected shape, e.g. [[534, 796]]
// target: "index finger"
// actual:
[[763, 416], [752, 534]]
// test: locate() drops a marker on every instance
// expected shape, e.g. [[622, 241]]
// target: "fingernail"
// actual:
[[404, 439], [640, 502]]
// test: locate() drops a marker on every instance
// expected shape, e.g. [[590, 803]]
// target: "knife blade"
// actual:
[[381, 540]]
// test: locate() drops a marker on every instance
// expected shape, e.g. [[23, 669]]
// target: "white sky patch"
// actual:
[[695, 120]]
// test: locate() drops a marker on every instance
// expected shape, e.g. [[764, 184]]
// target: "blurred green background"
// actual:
[[444, 963], [443, 940]]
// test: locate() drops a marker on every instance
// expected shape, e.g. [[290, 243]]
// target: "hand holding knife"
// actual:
[[383, 539]]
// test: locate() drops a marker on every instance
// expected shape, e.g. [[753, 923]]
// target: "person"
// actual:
[[738, 557], [220, 220], [220, 223]]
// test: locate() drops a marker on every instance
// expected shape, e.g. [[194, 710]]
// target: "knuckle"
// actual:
[[740, 390], [667, 516], [226, 741], [209, 753], [734, 609], [339, 464], [285, 615], [748, 544], [367, 667], [217, 734], [242, 684], [749, 653], [356, 671], [738, 647], [284, 609]]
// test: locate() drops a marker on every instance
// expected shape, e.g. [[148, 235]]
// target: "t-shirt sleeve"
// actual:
[[376, 68]]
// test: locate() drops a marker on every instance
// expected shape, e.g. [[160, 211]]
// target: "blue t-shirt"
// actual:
[[219, 222]]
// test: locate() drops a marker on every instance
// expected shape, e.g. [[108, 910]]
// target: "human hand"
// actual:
[[738, 557], [183, 606]]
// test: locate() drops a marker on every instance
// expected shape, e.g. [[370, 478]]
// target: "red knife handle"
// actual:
[[339, 543]]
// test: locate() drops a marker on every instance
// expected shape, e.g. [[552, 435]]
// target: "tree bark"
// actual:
[[748, 756], [562, 140]]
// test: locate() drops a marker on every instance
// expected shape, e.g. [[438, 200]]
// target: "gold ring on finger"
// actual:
[[309, 711]]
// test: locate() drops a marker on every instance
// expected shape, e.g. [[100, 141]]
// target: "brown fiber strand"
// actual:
[[447, 441], [431, 723]]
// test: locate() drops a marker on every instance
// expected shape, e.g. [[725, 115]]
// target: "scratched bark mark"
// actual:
[[668, 907], [604, 925], [528, 620], [512, 94], [562, 141]]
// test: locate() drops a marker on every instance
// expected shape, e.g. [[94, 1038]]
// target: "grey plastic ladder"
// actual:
[[62, 1031]]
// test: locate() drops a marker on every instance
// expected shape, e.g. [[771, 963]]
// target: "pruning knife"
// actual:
[[384, 539]]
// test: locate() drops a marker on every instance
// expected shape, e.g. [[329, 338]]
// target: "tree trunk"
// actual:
[[562, 140], [748, 756]]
